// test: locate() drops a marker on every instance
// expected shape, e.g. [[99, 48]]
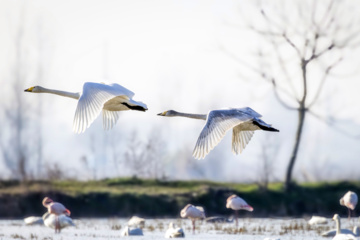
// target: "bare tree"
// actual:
[[302, 37], [54, 172], [135, 156], [145, 158], [14, 145], [155, 148], [40, 73], [267, 161], [21, 142]]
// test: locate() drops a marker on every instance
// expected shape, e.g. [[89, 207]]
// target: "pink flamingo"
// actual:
[[56, 209], [349, 200], [193, 213], [237, 203]]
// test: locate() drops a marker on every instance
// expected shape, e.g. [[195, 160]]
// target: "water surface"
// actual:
[[249, 228]]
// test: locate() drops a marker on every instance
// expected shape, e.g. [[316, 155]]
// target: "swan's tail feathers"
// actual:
[[264, 126]]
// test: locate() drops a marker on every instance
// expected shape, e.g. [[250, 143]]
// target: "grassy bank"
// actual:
[[152, 198]]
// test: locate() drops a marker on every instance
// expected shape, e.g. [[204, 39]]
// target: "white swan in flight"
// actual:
[[97, 97], [243, 122]]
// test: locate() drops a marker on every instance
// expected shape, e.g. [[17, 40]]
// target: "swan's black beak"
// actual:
[[161, 114]]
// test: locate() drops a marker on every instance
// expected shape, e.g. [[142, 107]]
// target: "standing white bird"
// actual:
[[243, 122], [57, 209], [339, 235], [193, 213], [97, 97], [349, 200], [237, 203], [174, 232], [51, 221]]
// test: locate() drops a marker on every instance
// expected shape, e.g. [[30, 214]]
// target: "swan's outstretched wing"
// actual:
[[240, 139], [249, 111], [109, 118], [91, 102], [217, 124], [121, 89]]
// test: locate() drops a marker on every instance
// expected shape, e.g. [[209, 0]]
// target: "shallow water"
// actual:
[[249, 228]]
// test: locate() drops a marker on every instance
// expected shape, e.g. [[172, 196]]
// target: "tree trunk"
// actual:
[[301, 112]]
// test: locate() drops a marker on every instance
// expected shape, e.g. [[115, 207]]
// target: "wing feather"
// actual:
[[217, 124], [91, 102], [240, 139], [109, 119]]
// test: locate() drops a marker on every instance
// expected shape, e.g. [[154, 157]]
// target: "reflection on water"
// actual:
[[249, 228]]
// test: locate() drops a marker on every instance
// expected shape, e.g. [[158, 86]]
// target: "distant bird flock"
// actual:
[[58, 217]]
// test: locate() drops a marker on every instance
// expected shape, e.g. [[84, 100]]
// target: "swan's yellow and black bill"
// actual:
[[162, 114], [29, 89]]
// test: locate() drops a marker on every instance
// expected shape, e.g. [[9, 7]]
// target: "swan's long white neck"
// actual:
[[190, 115], [60, 93], [338, 231]]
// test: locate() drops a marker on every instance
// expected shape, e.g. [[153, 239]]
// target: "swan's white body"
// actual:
[[331, 233], [317, 220], [193, 213], [243, 122], [339, 235], [136, 221], [132, 232], [97, 97], [50, 220], [174, 232], [349, 200], [32, 220]]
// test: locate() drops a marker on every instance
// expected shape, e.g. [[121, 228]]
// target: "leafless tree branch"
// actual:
[[332, 123], [321, 85]]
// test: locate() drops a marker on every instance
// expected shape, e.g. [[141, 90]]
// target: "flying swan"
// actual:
[[243, 122], [110, 98]]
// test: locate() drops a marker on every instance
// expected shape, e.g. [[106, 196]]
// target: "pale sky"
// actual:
[[169, 54]]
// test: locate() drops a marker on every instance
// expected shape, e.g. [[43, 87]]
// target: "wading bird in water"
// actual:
[[349, 200], [193, 213], [56, 209], [237, 203], [243, 122], [97, 97]]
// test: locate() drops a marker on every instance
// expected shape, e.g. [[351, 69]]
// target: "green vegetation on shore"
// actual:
[[123, 197]]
